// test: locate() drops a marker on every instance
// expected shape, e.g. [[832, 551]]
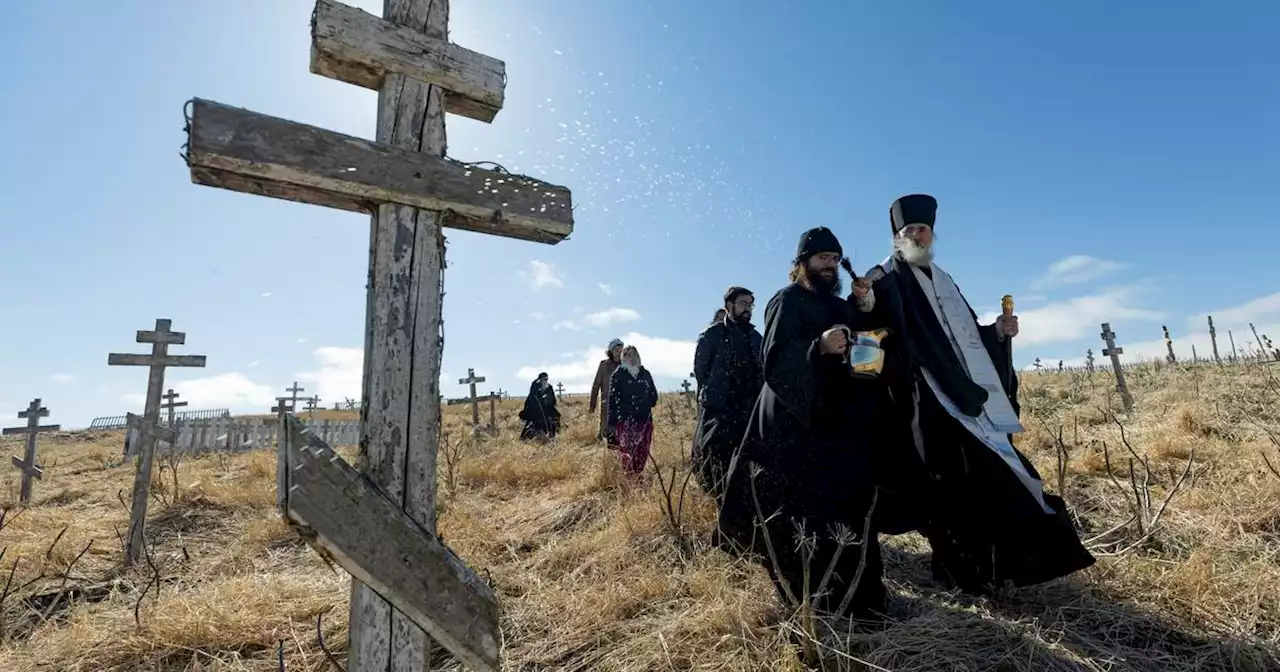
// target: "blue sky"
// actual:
[[1100, 163]]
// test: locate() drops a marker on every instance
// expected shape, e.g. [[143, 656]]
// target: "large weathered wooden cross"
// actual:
[[147, 425], [170, 403], [471, 380], [559, 390], [27, 466], [407, 580], [1109, 337]]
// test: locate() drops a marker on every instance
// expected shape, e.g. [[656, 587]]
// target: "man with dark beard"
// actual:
[[726, 364], [804, 462], [990, 523]]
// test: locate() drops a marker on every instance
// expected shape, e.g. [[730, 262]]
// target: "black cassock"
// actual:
[[540, 415], [985, 527], [811, 433]]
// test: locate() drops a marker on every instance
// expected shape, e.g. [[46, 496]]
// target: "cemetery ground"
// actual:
[[593, 575]]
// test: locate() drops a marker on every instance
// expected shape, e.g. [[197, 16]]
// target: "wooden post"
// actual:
[[1213, 339], [493, 411], [170, 404], [1168, 344], [27, 466], [1195, 356], [471, 380], [147, 425], [1088, 360], [1109, 337], [412, 191]]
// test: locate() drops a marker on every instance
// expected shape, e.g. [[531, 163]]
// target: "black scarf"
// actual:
[[927, 344]]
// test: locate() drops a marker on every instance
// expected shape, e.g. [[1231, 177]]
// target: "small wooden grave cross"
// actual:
[[1109, 337], [1213, 340], [283, 405], [1059, 366], [413, 191], [170, 403], [27, 466], [147, 426], [685, 386], [471, 380], [1088, 360], [1038, 364], [293, 394], [1168, 344], [312, 403], [559, 390]]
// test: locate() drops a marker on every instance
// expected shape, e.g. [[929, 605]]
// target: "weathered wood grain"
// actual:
[[275, 157], [347, 518], [129, 359], [353, 46], [27, 466]]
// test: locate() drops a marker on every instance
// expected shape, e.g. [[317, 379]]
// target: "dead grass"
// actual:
[[593, 575]]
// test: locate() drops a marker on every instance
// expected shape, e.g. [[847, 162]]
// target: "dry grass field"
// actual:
[[593, 575]]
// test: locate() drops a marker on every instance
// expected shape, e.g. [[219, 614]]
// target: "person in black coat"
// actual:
[[540, 415], [805, 462], [727, 366], [632, 396], [989, 522]]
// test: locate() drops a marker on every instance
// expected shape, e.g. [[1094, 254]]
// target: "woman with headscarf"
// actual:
[[540, 416], [632, 396]]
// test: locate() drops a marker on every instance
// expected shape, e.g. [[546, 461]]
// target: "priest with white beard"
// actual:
[[982, 504]]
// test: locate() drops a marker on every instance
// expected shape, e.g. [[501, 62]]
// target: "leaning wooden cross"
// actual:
[[1109, 337], [407, 581], [27, 465], [147, 426]]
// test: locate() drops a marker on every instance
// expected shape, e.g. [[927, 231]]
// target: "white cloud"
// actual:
[[1076, 269], [537, 315], [340, 374], [254, 363], [664, 357], [610, 316], [302, 340], [542, 274], [605, 288], [1078, 317], [227, 390], [62, 378], [599, 319], [265, 294]]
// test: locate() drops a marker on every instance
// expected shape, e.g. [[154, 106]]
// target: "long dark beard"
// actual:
[[822, 285]]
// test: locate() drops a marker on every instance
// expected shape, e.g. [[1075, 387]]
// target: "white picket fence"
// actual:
[[239, 434]]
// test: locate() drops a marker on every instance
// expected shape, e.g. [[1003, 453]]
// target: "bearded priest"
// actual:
[[985, 512]]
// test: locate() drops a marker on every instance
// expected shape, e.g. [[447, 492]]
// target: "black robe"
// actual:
[[811, 435], [986, 529], [540, 415]]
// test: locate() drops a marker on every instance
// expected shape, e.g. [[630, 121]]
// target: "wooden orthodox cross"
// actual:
[[1109, 337], [170, 403], [471, 380], [1168, 344], [559, 390], [147, 425], [27, 466], [685, 386], [293, 394], [1088, 360], [1213, 339], [412, 191]]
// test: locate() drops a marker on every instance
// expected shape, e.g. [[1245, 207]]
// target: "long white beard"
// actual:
[[913, 253], [633, 369]]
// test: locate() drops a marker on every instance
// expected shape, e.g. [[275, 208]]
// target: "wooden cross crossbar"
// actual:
[[348, 519], [239, 150], [472, 379], [27, 465], [356, 47]]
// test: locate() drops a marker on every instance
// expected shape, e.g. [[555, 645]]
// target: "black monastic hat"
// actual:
[[817, 240], [913, 209]]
